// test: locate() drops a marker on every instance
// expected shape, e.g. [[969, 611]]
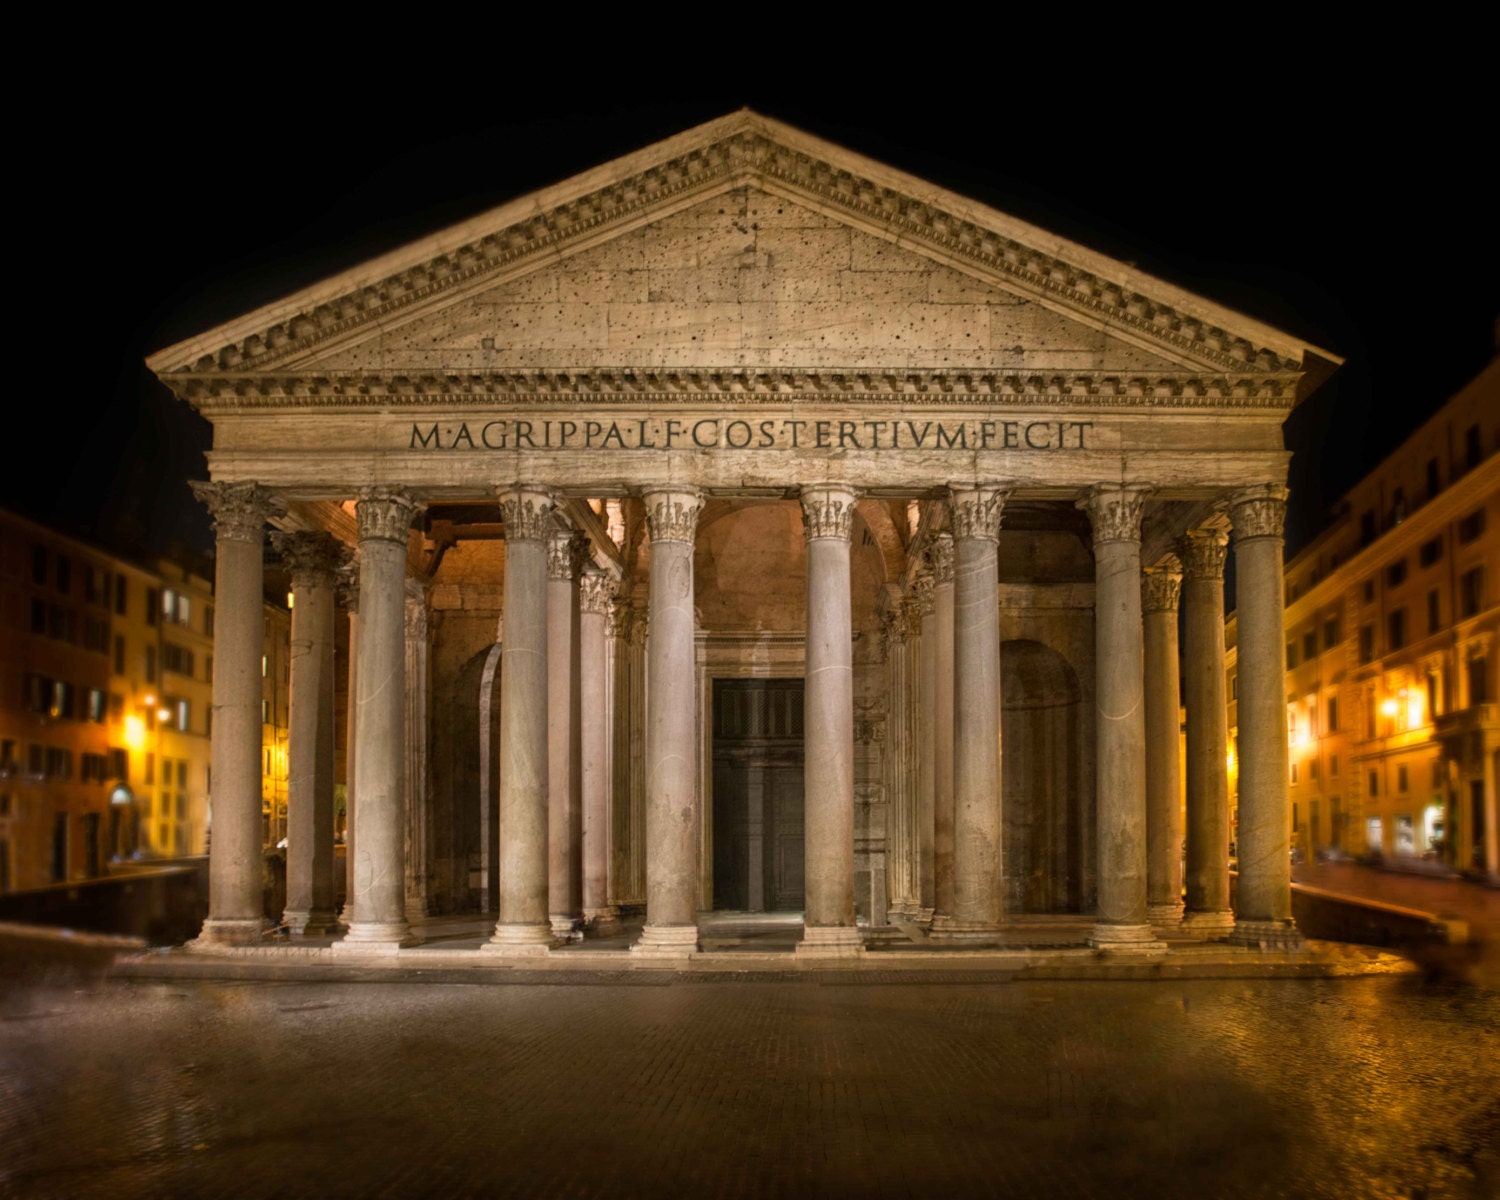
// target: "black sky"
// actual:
[[1349, 206]]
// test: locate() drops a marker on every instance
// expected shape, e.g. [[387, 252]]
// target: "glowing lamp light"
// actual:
[[163, 714], [1390, 707], [135, 733]]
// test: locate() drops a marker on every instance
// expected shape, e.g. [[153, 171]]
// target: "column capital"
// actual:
[[1115, 510], [598, 593], [311, 557], [347, 583], [974, 509], [385, 513], [940, 556], [567, 551], [524, 509], [239, 510], [1257, 512], [672, 512], [921, 597], [1161, 585], [893, 624], [1202, 553], [828, 510]]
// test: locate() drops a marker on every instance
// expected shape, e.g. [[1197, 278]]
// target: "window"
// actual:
[[1395, 574], [1333, 765], [119, 763], [59, 763], [1478, 689], [1431, 551], [1434, 612], [1471, 592], [1434, 483], [120, 595], [175, 607], [1398, 506], [1291, 654], [150, 664], [39, 564], [1374, 784], [1234, 687], [1395, 629], [119, 655], [1401, 779], [1310, 645], [92, 768], [1432, 696], [1366, 527], [265, 666], [1473, 450], [153, 604], [208, 668], [1333, 714], [1294, 772], [177, 659], [96, 705], [1312, 770], [1369, 591], [1366, 643], [1471, 527], [1330, 633], [265, 712]]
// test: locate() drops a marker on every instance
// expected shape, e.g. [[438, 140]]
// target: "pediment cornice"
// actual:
[[225, 391], [743, 148]]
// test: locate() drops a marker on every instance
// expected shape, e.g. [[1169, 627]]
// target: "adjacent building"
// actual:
[[1392, 641], [106, 678]]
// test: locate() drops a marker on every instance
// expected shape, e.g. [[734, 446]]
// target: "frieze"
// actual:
[[524, 512], [1258, 512], [1115, 511], [567, 551], [746, 154], [975, 512], [708, 386], [312, 558], [1202, 552], [672, 515], [827, 512], [385, 513], [239, 510]]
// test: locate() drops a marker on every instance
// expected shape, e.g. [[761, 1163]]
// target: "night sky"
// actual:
[[1347, 211]]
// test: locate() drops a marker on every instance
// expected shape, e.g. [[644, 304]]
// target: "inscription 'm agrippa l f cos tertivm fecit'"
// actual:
[[721, 433]]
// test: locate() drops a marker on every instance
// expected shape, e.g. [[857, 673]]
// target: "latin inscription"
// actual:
[[720, 433]]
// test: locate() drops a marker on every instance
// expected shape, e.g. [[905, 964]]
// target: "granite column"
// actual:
[[565, 555], [1159, 593], [597, 599], [940, 556]]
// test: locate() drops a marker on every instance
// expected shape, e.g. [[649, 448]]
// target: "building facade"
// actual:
[[1392, 620], [106, 673], [746, 524]]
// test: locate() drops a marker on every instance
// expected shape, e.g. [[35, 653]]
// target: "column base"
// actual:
[[566, 929], [602, 922], [667, 942], [1212, 926], [830, 941], [923, 916], [1164, 916], [230, 931], [1267, 935], [522, 939], [309, 923], [945, 928], [1126, 939], [376, 937]]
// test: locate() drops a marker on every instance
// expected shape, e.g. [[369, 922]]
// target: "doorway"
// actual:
[[758, 795]]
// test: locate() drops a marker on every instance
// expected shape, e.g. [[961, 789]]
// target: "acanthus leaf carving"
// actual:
[[1258, 512], [239, 510], [828, 511], [385, 513], [672, 513], [1115, 510], [1202, 552], [567, 551], [975, 511], [312, 558], [525, 510], [1161, 586]]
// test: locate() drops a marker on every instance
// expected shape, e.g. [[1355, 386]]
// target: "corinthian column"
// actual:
[[977, 894], [384, 515], [828, 929], [941, 557], [348, 586], [672, 800], [1159, 591], [1208, 913], [925, 611], [523, 926], [565, 556], [236, 909], [593, 643], [1263, 915], [312, 559], [898, 799], [1121, 925]]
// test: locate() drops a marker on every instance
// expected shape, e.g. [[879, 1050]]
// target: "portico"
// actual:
[[747, 406]]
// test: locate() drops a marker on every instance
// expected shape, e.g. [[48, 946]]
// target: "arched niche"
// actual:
[[1046, 812]]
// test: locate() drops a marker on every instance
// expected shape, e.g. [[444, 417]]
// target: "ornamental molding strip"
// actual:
[[743, 148], [827, 511], [1258, 512], [672, 514], [524, 512], [386, 513], [1115, 510], [239, 510], [1202, 553], [688, 387]]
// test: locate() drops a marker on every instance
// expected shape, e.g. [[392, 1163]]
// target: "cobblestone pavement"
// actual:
[[661, 1085]]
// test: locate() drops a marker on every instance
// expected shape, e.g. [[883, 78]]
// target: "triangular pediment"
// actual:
[[744, 245]]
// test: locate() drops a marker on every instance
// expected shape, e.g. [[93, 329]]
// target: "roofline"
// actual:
[[185, 353]]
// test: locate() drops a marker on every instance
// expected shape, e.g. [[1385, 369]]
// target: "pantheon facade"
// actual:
[[748, 525]]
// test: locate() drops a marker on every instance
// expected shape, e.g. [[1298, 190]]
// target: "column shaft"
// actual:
[[828, 513], [671, 766], [898, 822], [350, 590], [236, 908], [1263, 915], [565, 553], [312, 560], [593, 643], [944, 684], [1207, 912], [1163, 775], [926, 742], [1121, 925], [384, 515], [523, 926]]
